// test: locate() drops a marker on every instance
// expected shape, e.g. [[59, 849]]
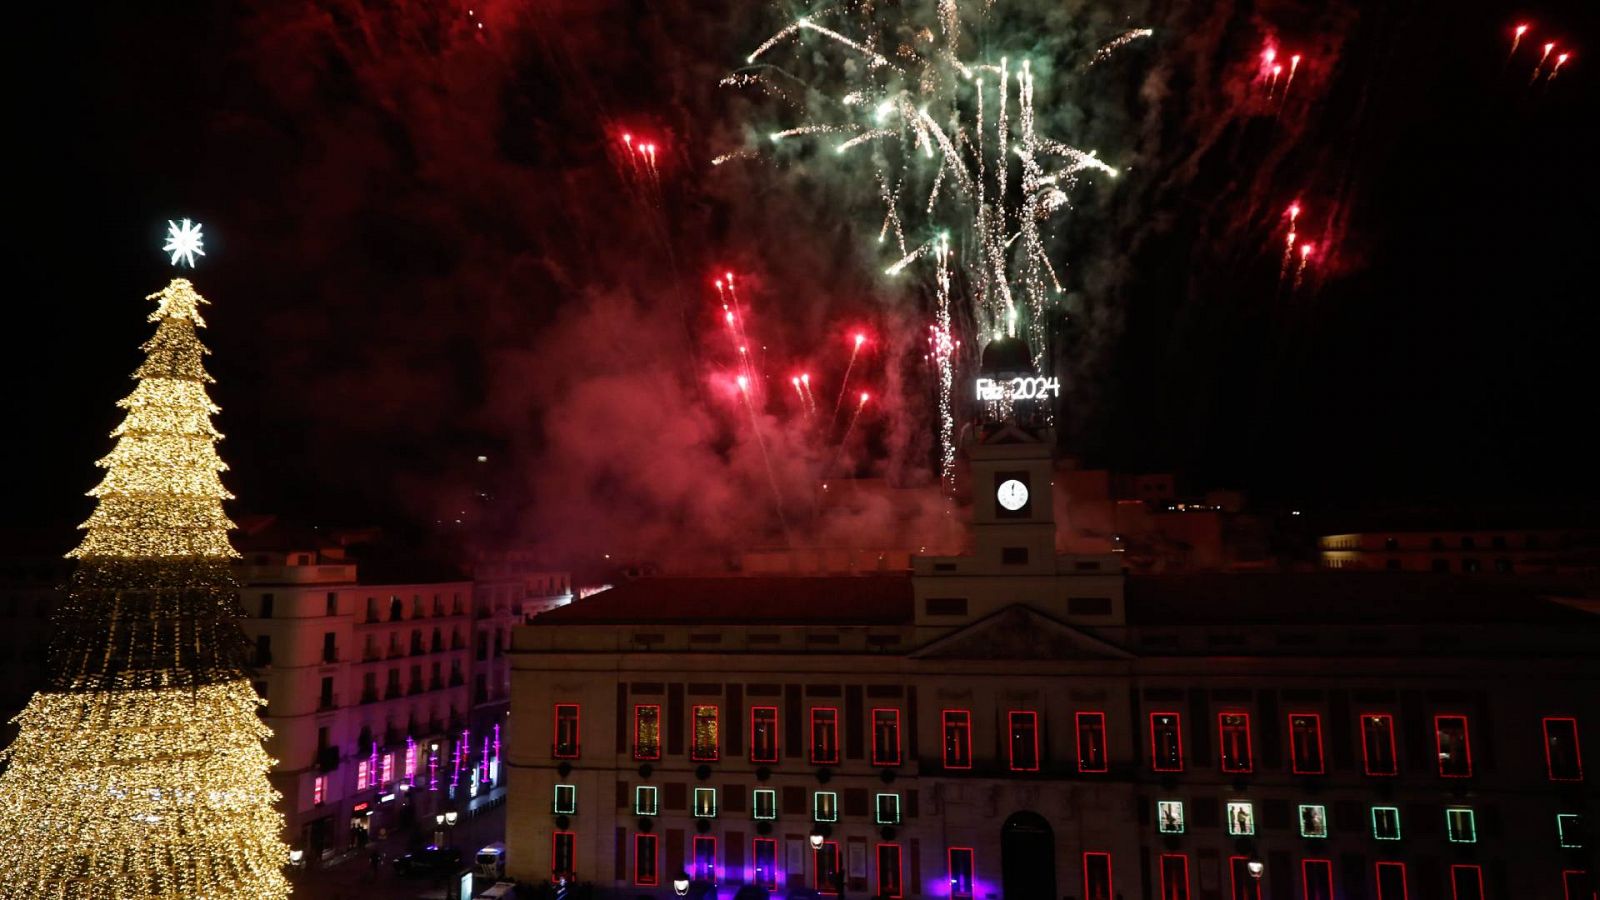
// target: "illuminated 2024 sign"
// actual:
[[1026, 388]]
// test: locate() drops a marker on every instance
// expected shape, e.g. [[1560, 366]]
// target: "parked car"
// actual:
[[491, 861], [429, 861]]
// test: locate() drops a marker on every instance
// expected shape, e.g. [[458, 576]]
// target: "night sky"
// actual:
[[419, 251]]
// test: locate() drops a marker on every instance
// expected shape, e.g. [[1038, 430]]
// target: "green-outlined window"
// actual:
[[1386, 823], [1313, 820], [1569, 830], [888, 809], [1241, 818], [705, 803], [764, 804], [1169, 816], [1460, 825], [825, 806], [646, 801], [566, 800]]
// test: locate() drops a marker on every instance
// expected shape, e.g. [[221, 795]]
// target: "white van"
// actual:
[[491, 861], [498, 891]]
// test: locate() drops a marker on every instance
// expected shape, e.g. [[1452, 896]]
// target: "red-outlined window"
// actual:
[[1174, 876], [1241, 884], [1377, 744], [646, 731], [957, 739], [824, 736], [1097, 876], [563, 855], [564, 737], [764, 734], [1233, 739], [890, 882], [1166, 742], [886, 737], [319, 790], [1023, 726], [1577, 884], [960, 865], [1092, 742], [825, 873], [1391, 879], [705, 733], [1305, 744], [1466, 882], [705, 858], [1316, 879], [1454, 745], [646, 862], [1563, 759], [765, 853]]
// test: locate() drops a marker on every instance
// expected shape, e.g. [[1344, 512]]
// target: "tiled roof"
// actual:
[[1351, 598], [842, 600]]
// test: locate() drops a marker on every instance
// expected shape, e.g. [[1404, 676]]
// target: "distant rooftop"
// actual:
[[762, 600]]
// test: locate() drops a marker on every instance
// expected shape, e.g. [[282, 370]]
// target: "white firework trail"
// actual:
[[1117, 43]]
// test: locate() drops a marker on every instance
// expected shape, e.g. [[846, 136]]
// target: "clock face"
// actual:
[[1012, 494]]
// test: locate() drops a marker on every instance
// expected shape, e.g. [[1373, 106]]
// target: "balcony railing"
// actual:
[[369, 696], [327, 702]]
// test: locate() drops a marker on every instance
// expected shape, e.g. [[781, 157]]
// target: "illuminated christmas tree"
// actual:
[[140, 773]]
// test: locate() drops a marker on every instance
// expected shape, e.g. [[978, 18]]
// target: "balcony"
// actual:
[[330, 654], [327, 759], [327, 702], [369, 696], [392, 692], [456, 680]]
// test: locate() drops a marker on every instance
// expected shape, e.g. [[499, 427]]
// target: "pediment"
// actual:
[[1021, 632]]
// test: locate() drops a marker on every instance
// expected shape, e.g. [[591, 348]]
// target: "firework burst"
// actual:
[[948, 135]]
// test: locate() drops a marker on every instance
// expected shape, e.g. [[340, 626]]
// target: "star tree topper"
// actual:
[[183, 242]]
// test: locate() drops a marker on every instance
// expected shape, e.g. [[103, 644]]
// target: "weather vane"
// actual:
[[183, 242]]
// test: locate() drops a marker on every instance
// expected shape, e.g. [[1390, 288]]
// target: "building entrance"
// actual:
[[1028, 858]]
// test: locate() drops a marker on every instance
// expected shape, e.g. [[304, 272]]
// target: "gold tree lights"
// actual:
[[140, 773]]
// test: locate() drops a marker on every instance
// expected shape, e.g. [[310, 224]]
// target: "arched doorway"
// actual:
[[1028, 858]]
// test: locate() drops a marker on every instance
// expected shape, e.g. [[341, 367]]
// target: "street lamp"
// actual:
[[1256, 868], [450, 818], [297, 857], [680, 884], [816, 840], [438, 819]]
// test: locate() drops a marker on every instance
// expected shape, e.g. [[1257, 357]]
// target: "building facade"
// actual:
[[1548, 551], [1016, 722], [367, 689]]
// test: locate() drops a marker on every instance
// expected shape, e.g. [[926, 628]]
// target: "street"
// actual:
[[354, 878]]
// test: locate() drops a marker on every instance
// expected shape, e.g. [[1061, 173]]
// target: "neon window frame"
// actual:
[[1097, 862], [962, 875], [704, 856], [1323, 879], [1454, 770], [705, 803], [824, 726], [892, 802], [643, 808], [1029, 746], [1169, 817], [569, 793], [764, 750], [830, 851], [824, 811], [1381, 834], [1569, 830], [1405, 889], [1571, 727], [957, 724], [1176, 732], [563, 745], [885, 724], [1313, 821], [765, 870], [770, 807], [1475, 885], [641, 750], [705, 733], [569, 856], [1241, 884], [1241, 818], [895, 887], [1300, 766], [1093, 726], [1178, 863], [1384, 723], [1576, 884], [1233, 756], [645, 846], [1454, 818]]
